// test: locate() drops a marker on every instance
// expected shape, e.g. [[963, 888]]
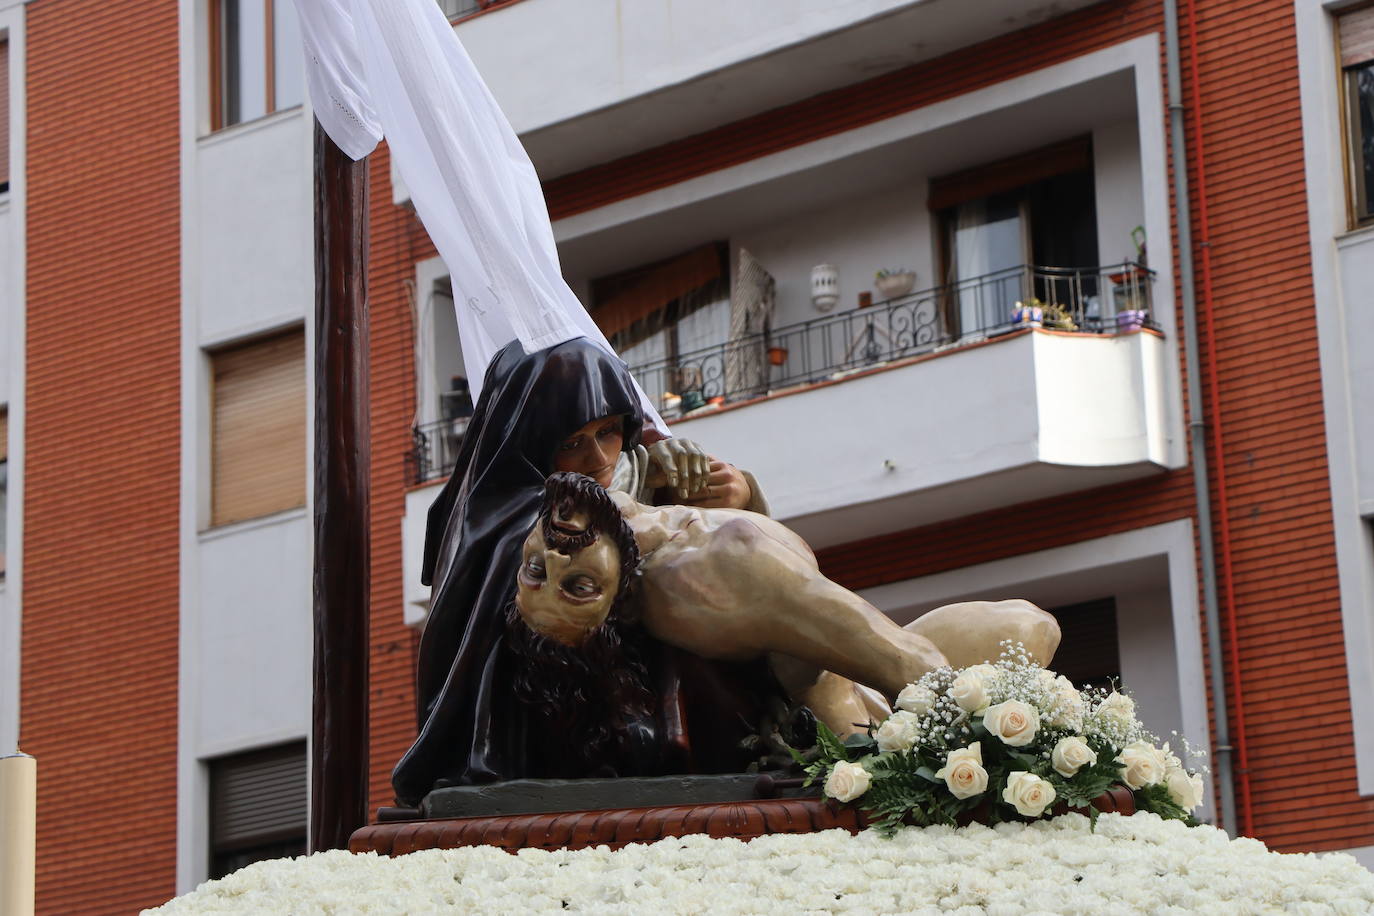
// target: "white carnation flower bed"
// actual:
[[1138, 864]]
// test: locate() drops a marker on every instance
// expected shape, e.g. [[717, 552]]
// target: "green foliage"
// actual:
[[1156, 798], [832, 748]]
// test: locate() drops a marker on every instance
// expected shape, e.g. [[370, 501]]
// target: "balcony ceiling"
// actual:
[[810, 54]]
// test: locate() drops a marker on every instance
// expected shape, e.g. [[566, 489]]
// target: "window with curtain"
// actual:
[[997, 220], [254, 60], [1357, 72], [258, 423], [669, 320]]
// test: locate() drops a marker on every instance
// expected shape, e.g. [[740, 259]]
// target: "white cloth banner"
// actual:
[[395, 69]]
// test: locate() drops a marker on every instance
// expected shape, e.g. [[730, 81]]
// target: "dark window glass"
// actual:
[[1361, 88], [1089, 650]]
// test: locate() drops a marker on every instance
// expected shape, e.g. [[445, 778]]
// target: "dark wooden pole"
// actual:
[[338, 757]]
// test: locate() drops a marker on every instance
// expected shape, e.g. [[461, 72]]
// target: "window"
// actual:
[[1357, 66], [1089, 648], [671, 317], [258, 807], [4, 115], [258, 428], [255, 60], [1035, 209]]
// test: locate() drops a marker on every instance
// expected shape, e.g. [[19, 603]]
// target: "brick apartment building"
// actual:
[[156, 282]]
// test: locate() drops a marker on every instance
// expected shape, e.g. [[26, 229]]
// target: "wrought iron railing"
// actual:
[[434, 449], [1093, 300]]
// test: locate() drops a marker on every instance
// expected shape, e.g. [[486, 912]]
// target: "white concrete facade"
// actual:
[[247, 262], [13, 270], [1342, 280]]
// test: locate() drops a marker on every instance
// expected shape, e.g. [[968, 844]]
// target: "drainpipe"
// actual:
[[1197, 427]]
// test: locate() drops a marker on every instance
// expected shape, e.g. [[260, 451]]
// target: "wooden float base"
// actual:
[[619, 827]]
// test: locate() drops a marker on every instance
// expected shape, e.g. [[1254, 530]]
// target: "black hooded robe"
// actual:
[[472, 728]]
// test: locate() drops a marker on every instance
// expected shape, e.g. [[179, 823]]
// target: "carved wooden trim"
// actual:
[[619, 827]]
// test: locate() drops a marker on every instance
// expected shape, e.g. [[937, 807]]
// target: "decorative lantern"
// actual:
[[825, 286]]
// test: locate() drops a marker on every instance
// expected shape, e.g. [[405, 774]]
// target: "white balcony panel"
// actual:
[[615, 76], [254, 231], [1025, 417], [254, 634]]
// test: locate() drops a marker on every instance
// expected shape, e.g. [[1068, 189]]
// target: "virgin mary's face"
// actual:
[[593, 450], [565, 596]]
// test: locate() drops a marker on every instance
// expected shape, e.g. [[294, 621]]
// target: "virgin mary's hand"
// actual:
[[726, 488], [680, 464]]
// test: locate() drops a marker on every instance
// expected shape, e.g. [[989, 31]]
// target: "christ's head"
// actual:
[[577, 563]]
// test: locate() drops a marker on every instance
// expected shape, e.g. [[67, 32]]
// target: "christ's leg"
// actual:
[[971, 632]]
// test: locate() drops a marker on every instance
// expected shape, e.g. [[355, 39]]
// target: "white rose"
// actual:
[[1185, 790], [1068, 711], [963, 772], [916, 699], [847, 781], [1142, 764], [899, 732], [969, 691], [985, 671], [1070, 755], [1029, 793], [1013, 721], [1117, 707]]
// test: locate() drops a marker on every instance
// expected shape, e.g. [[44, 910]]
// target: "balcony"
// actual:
[[893, 417], [1080, 302]]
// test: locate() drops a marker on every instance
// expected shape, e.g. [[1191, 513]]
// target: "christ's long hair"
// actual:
[[594, 699]]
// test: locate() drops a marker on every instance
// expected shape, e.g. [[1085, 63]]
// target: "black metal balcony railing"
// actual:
[[1095, 300]]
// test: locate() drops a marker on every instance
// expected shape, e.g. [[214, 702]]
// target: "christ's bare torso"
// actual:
[[733, 585]]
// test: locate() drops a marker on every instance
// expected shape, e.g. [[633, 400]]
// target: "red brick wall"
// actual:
[[102, 494], [1286, 598], [398, 242]]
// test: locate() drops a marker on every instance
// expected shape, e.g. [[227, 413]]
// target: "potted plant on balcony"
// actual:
[[894, 283], [1030, 313], [1058, 318], [777, 355]]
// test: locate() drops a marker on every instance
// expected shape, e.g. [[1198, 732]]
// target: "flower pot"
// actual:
[[1028, 315], [1130, 320], [692, 400], [777, 355], [894, 285]]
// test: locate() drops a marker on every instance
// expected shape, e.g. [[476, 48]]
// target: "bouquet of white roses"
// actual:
[[1011, 736]]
